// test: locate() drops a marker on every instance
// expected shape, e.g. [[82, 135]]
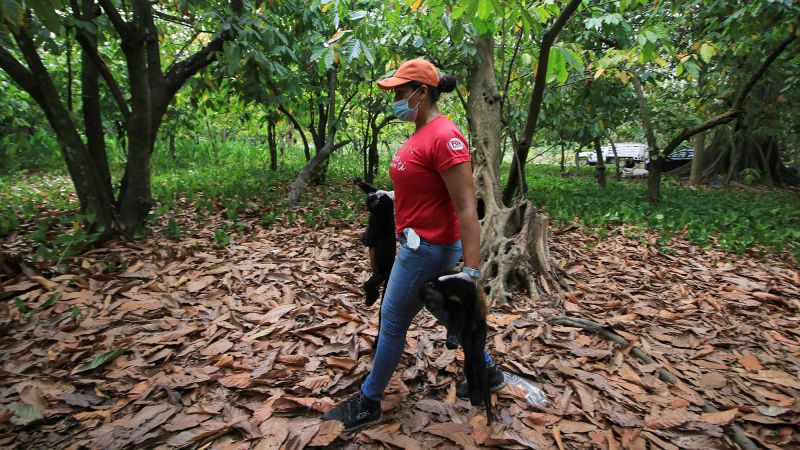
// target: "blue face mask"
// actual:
[[404, 112]]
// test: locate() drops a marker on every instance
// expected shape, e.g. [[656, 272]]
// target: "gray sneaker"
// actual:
[[355, 412]]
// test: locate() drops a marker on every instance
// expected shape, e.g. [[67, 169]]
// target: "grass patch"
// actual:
[[235, 184], [737, 219]]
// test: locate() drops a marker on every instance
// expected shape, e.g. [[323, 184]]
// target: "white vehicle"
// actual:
[[629, 152]]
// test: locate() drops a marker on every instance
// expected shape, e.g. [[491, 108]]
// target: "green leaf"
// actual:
[[367, 53], [46, 12], [100, 360], [353, 49], [24, 413], [573, 58], [328, 58], [11, 12], [706, 52], [315, 55], [355, 15], [651, 36], [233, 56], [485, 9], [693, 70], [5, 39], [56, 296]]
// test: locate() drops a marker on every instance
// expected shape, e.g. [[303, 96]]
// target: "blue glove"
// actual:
[[460, 276]]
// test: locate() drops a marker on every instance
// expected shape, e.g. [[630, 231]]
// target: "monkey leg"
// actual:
[[372, 288]]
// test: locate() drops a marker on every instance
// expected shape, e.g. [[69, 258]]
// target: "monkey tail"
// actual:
[[474, 341]]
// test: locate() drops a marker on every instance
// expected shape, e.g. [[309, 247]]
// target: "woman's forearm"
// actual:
[[470, 237]]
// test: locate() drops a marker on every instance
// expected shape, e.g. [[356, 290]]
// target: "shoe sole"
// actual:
[[365, 424]]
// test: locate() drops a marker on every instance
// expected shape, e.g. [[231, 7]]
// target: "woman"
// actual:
[[435, 215]]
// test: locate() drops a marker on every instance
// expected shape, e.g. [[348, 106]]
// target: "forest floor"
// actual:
[[245, 345]]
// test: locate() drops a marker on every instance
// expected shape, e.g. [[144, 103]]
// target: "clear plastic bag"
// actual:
[[535, 395]]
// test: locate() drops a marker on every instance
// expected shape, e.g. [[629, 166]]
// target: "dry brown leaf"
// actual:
[[221, 346], [289, 403], [669, 419], [198, 285], [294, 360], [276, 313], [241, 380], [719, 417], [301, 432], [392, 438], [343, 363], [102, 414], [775, 377], [460, 433], [568, 426], [329, 430], [557, 436], [274, 431], [712, 380], [315, 383], [480, 429], [540, 419]]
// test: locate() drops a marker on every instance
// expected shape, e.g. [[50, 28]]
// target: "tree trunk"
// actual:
[[273, 147], [299, 128], [37, 81], [616, 159], [600, 167], [698, 158], [656, 160], [322, 155], [135, 197], [320, 171], [514, 250], [92, 115], [516, 175], [372, 152]]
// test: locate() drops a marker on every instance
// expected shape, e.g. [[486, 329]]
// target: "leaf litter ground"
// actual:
[[245, 346]]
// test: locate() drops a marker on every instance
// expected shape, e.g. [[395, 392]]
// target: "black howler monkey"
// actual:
[[463, 307], [380, 238]]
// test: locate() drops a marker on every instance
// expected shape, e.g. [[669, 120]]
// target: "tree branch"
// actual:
[[20, 74], [736, 109], [181, 71], [89, 45], [737, 104], [116, 19], [185, 69], [516, 180]]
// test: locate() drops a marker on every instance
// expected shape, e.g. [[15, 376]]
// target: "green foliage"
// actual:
[[221, 236]]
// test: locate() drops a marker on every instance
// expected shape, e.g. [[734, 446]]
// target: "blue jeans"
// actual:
[[401, 303]]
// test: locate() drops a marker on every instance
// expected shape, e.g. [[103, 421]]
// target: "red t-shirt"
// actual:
[[421, 199]]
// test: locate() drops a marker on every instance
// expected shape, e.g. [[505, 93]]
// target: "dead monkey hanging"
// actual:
[[380, 239], [462, 307]]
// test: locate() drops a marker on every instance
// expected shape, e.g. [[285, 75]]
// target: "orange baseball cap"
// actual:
[[412, 70]]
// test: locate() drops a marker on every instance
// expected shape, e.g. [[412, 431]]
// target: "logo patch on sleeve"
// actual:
[[455, 144]]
